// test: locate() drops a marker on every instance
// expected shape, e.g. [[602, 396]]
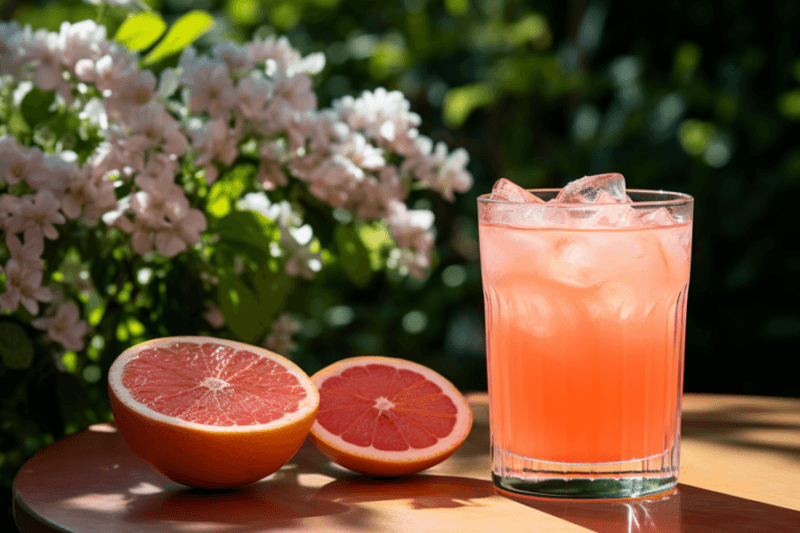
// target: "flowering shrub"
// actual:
[[222, 173]]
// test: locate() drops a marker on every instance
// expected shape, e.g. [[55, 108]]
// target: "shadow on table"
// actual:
[[423, 491], [686, 510], [111, 486], [725, 425]]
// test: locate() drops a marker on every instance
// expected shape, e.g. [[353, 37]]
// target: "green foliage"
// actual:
[[36, 105], [354, 255], [16, 348], [181, 34], [140, 31], [461, 101]]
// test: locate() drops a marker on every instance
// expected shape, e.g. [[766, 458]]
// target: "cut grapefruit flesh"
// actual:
[[387, 417], [209, 412]]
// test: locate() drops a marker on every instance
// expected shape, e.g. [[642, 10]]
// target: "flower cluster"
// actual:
[[159, 135]]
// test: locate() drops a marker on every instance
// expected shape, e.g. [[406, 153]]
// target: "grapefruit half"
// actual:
[[208, 412], [387, 417]]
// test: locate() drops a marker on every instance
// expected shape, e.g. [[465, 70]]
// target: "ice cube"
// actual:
[[656, 217], [579, 261], [511, 192], [588, 190], [609, 213], [507, 210]]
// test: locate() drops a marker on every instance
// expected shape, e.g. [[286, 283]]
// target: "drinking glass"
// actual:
[[585, 320]]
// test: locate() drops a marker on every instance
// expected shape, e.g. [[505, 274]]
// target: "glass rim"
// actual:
[[670, 198]]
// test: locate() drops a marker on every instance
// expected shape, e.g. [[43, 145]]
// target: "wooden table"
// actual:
[[740, 472]]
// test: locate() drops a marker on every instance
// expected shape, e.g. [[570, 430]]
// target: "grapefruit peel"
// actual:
[[206, 455], [369, 460]]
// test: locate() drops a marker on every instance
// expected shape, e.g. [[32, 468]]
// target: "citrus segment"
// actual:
[[388, 417], [209, 412]]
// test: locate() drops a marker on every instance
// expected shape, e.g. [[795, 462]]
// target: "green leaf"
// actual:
[[16, 348], [318, 215], [272, 291], [141, 31], [240, 307], [353, 255], [789, 104], [228, 189], [184, 32], [35, 106], [460, 102], [247, 231], [376, 239]]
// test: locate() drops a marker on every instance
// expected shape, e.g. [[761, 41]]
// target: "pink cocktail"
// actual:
[[585, 317]]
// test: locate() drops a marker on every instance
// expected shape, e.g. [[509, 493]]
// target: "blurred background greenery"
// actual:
[[696, 96]]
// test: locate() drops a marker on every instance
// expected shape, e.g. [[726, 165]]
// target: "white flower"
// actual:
[[11, 218], [302, 262], [378, 193], [66, 327], [23, 285], [29, 255], [280, 340], [116, 155], [453, 175], [163, 215], [18, 163], [311, 64], [104, 71], [360, 152], [95, 112], [184, 229], [335, 180], [161, 165], [40, 213], [168, 83], [252, 97], [278, 50], [141, 236], [237, 58], [55, 174], [411, 228], [210, 86], [294, 240], [382, 115], [158, 197], [117, 218], [215, 142], [130, 89], [154, 127], [270, 173], [89, 189], [44, 51], [416, 264], [79, 40], [296, 91], [10, 48]]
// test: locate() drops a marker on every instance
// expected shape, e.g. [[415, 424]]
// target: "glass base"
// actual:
[[638, 478]]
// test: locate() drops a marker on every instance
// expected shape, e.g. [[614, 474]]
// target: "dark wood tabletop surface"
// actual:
[[740, 472]]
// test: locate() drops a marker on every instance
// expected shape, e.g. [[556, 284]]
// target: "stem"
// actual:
[[101, 12]]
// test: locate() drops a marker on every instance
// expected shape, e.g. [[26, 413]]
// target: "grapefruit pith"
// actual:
[[209, 412], [387, 417]]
